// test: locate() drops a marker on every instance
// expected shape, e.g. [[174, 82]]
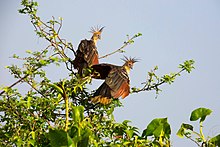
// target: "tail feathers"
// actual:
[[101, 100], [102, 95], [104, 90]]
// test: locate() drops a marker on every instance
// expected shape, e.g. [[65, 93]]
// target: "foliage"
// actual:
[[60, 113], [187, 129], [159, 128]]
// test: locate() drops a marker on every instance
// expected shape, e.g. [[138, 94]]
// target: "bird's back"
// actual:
[[86, 55]]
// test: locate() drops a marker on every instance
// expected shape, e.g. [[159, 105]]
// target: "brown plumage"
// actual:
[[116, 84], [87, 54]]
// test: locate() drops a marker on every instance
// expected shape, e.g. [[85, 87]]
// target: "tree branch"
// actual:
[[126, 43], [148, 86]]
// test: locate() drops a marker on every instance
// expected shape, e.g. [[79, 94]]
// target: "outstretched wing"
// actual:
[[116, 83], [101, 71], [119, 83], [102, 95]]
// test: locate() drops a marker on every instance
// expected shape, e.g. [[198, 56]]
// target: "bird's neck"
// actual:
[[127, 69], [94, 39]]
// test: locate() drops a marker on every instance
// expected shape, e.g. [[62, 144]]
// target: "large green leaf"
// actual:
[[60, 138], [200, 113], [184, 127], [215, 141], [157, 127]]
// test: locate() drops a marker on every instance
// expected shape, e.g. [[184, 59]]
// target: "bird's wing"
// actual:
[[101, 71], [102, 95], [89, 51], [119, 82]]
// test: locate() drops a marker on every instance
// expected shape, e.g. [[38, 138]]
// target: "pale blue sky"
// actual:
[[173, 31]]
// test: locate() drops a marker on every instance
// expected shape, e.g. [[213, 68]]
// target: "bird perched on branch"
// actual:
[[116, 84], [87, 54]]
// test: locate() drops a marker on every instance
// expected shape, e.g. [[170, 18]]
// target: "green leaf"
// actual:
[[200, 113], [157, 127], [32, 142], [73, 131], [86, 133], [138, 34], [125, 122], [28, 51], [60, 138], [182, 131], [78, 113], [15, 56], [126, 143], [43, 62], [29, 102], [60, 18], [35, 3], [60, 90], [187, 65], [33, 134], [129, 133], [215, 141]]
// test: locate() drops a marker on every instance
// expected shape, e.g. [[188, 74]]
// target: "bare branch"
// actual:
[[126, 43]]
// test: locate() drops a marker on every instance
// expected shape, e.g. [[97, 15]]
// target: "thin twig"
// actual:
[[61, 23], [148, 87], [193, 140], [35, 88], [120, 49], [20, 80]]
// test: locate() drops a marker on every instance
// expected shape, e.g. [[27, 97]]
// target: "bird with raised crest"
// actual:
[[87, 54], [116, 84]]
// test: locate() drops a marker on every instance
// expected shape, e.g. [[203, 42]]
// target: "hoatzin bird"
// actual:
[[116, 84], [87, 54]]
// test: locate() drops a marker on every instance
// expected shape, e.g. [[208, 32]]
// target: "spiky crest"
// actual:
[[96, 30], [129, 60]]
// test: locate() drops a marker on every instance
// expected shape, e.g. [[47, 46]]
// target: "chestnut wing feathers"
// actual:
[[118, 81]]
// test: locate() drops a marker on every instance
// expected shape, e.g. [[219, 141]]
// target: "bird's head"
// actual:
[[96, 31], [129, 62]]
